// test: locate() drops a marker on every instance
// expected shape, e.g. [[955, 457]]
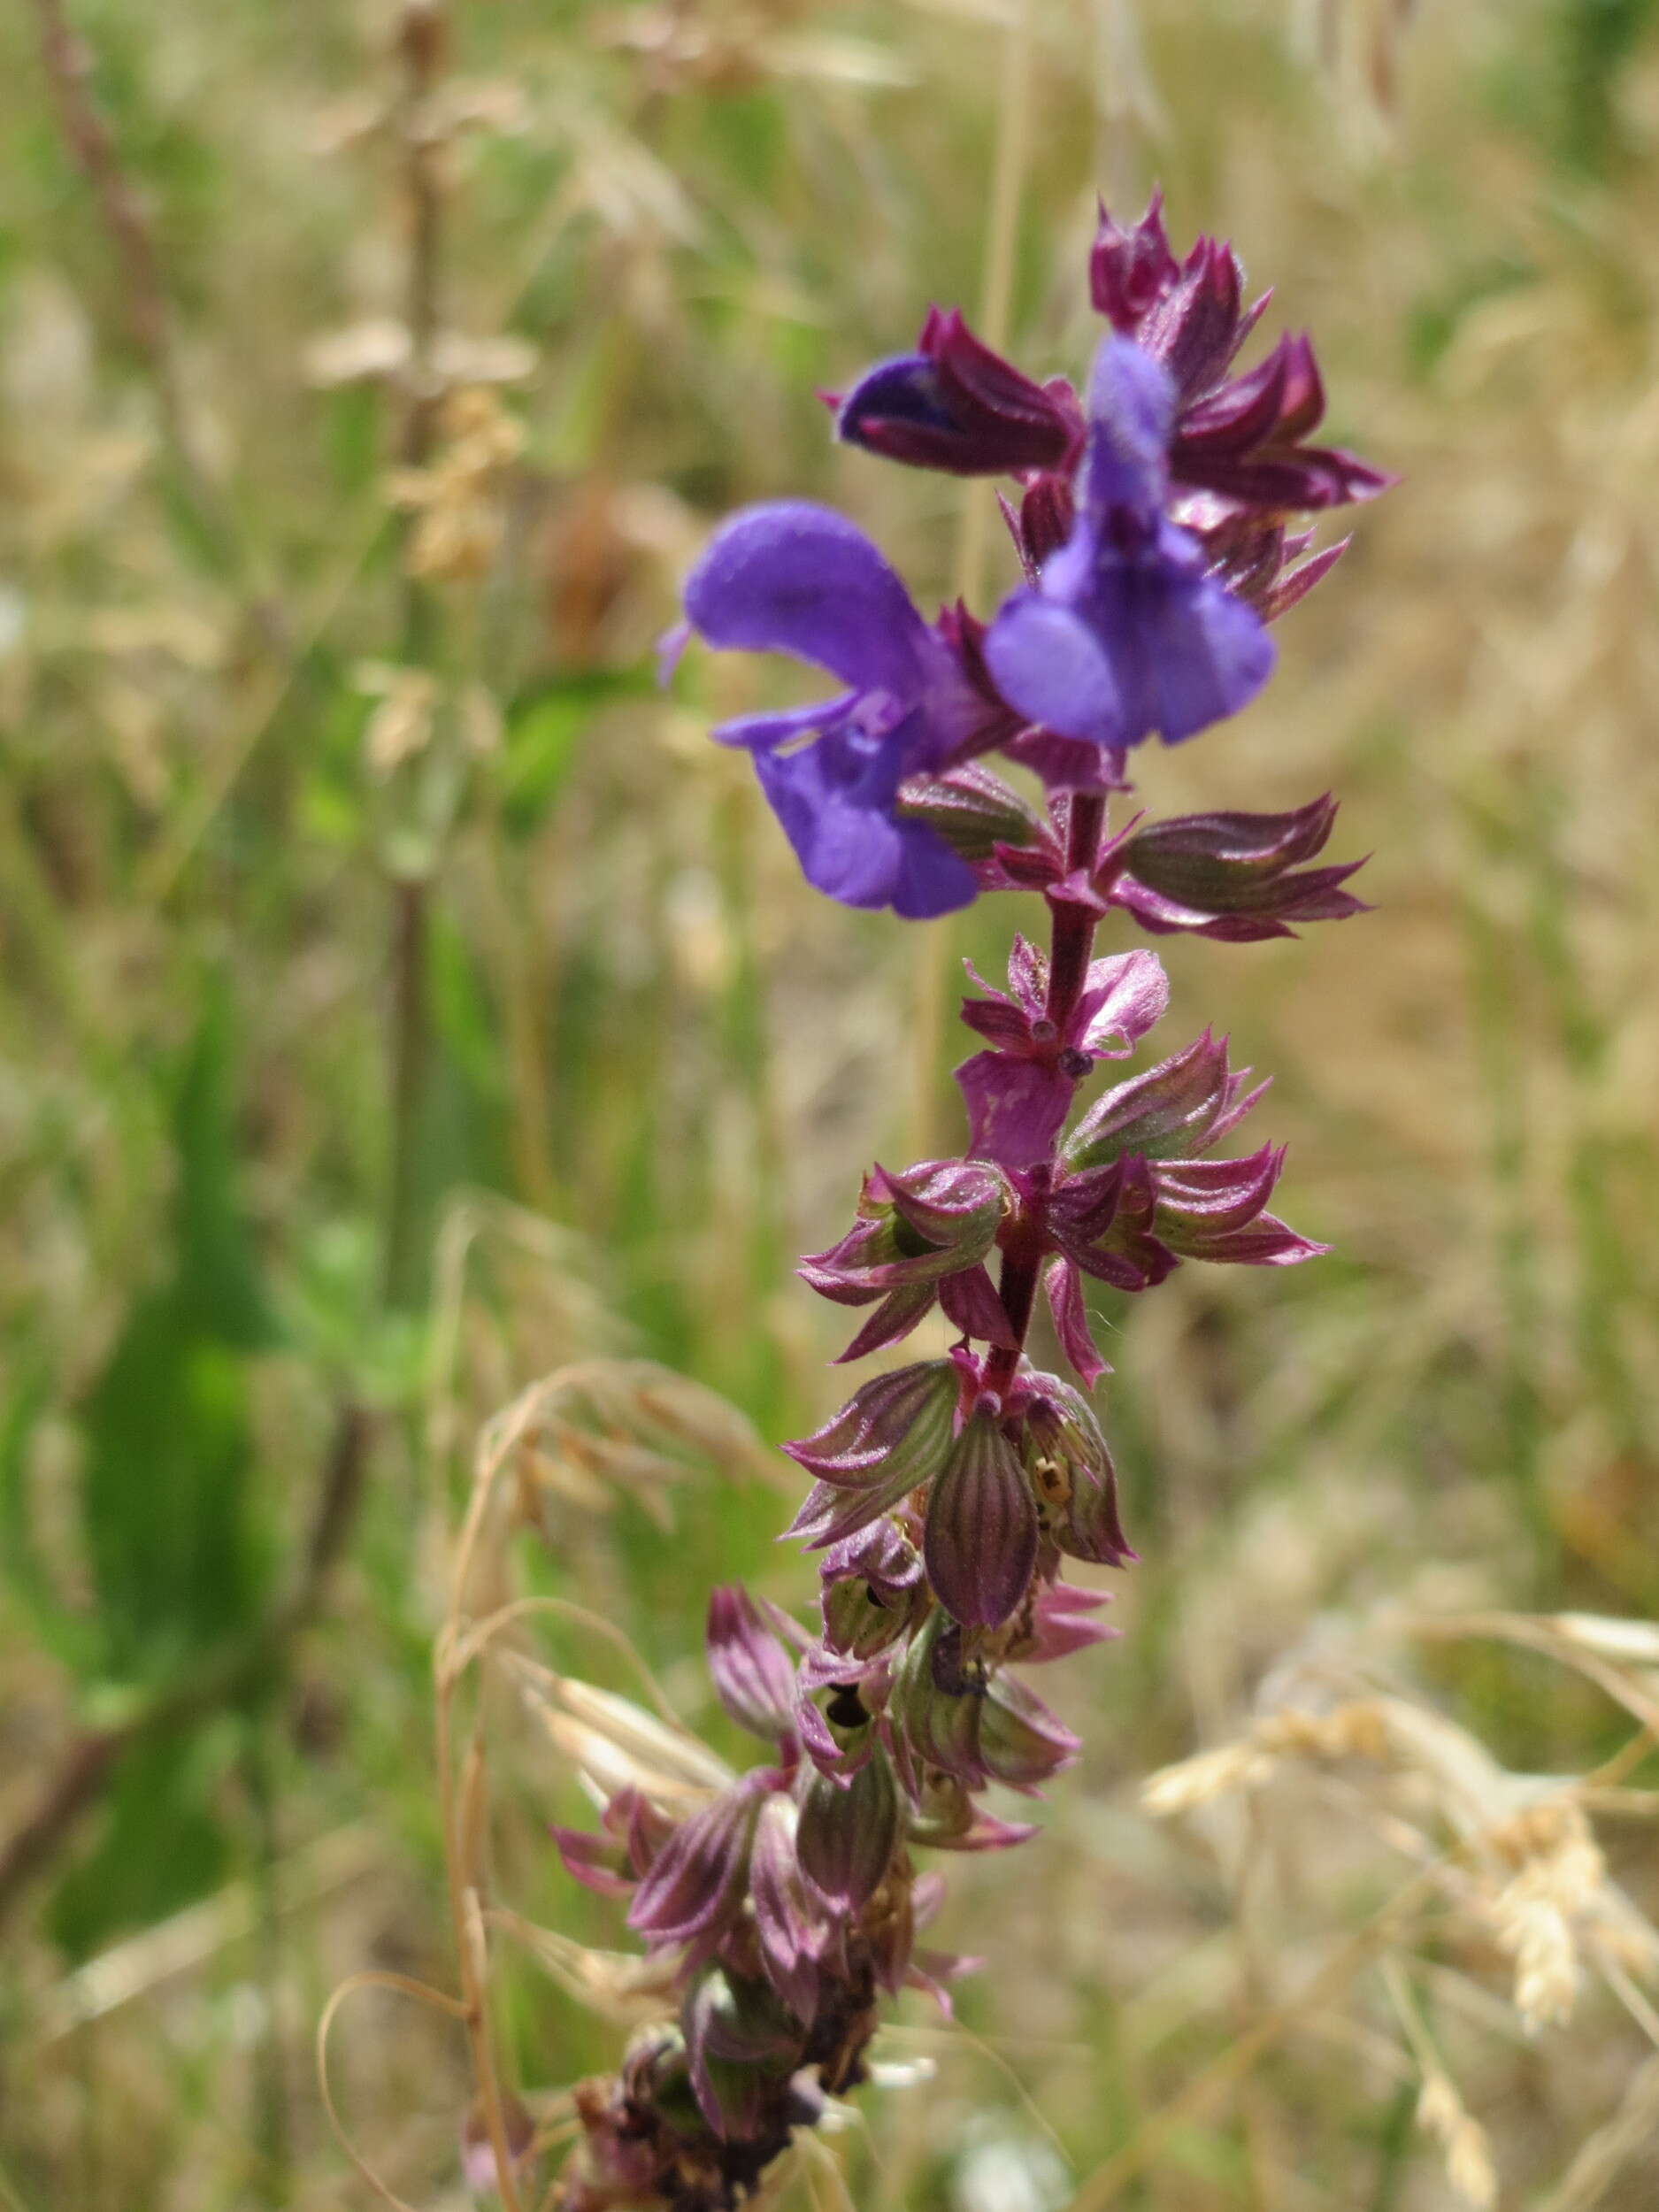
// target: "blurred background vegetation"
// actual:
[[401, 998]]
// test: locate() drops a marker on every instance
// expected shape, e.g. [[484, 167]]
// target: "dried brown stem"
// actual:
[[91, 144]]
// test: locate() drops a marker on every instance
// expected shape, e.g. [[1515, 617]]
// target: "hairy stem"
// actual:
[[1072, 924]]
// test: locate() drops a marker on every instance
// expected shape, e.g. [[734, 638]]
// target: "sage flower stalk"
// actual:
[[1153, 518]]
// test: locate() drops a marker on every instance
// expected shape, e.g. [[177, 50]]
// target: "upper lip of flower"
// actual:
[[1125, 633]]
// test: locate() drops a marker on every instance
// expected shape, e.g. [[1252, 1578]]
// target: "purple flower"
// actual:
[[793, 578], [1126, 633], [956, 406]]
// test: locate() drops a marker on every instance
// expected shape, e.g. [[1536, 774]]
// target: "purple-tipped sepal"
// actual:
[[1183, 1106], [1023, 1745], [1236, 876], [870, 1585], [753, 1674], [1061, 1622], [892, 1435], [976, 813], [915, 1231], [694, 1888], [1074, 1480], [1246, 440], [1215, 1210]]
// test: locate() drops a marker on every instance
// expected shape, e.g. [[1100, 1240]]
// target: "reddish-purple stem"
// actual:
[[1071, 940], [1072, 923]]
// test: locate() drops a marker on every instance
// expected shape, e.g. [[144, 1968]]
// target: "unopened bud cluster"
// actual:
[[1153, 518]]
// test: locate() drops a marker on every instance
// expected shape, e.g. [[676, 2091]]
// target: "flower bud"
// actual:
[[1129, 271], [789, 1923], [869, 1583], [956, 406], [849, 1833], [936, 1729], [980, 1543], [973, 810], [741, 2042]]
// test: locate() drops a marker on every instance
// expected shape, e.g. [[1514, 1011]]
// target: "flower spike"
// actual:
[[1154, 522]]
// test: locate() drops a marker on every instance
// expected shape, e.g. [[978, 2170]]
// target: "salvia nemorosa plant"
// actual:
[[1155, 517]]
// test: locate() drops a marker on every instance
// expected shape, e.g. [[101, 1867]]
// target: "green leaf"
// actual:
[[162, 1845], [543, 736], [27, 1573], [217, 1262], [173, 1532]]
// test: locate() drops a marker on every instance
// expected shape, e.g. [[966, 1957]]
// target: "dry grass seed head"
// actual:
[[1442, 2114]]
